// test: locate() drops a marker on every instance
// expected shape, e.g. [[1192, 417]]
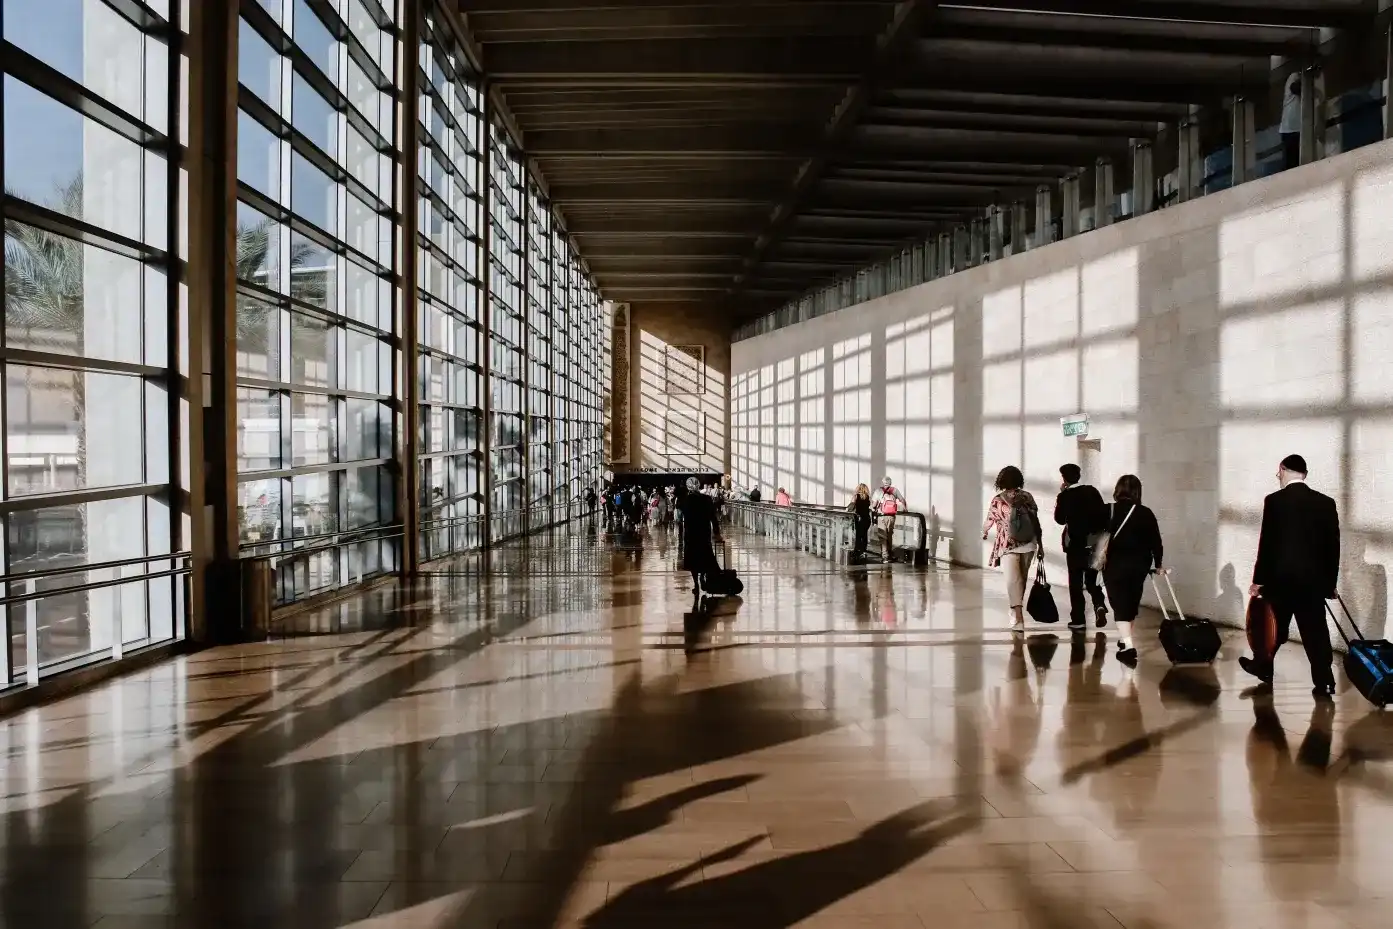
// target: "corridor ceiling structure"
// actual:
[[736, 153]]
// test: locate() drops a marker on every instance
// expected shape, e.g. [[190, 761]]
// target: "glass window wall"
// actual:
[[316, 307], [449, 247], [86, 437]]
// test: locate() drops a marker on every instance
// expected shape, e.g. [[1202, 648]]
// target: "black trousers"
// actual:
[[1309, 612], [1291, 150], [1082, 578], [1125, 579], [863, 528]]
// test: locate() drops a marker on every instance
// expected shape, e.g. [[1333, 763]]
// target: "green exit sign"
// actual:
[[1075, 426]]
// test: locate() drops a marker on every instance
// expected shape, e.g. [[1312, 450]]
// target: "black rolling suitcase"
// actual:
[[724, 582], [1368, 662], [1186, 640]]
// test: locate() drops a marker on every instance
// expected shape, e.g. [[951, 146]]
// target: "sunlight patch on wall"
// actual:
[[1249, 453], [1109, 294], [1001, 323], [1052, 383], [1051, 309], [1371, 498], [1372, 234], [1371, 347], [1111, 377], [1283, 358], [1282, 248]]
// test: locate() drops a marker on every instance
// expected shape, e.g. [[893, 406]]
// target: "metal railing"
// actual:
[[318, 563], [27, 590], [828, 531], [915, 533], [825, 533]]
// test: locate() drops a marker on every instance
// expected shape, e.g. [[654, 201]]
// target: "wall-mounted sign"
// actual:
[[1076, 426]]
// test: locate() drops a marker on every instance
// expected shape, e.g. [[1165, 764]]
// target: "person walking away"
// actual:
[[888, 504], [589, 500], [1080, 509], [755, 495], [698, 530], [782, 498], [1297, 570], [1016, 519], [860, 509], [1134, 552], [1290, 127]]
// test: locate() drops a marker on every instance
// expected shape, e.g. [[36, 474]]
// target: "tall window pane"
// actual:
[[86, 349], [315, 315]]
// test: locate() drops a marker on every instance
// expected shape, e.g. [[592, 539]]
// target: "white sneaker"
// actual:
[[1018, 626]]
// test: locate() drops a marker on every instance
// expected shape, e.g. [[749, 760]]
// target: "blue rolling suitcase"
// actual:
[[1368, 662]]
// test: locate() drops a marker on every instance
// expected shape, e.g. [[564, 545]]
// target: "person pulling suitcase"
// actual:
[[1297, 570]]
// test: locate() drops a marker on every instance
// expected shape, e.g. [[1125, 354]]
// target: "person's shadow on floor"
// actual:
[[658, 812], [785, 891]]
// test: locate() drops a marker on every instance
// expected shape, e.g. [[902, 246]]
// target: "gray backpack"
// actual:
[[1020, 526]]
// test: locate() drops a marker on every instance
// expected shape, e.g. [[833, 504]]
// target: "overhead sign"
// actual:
[[1075, 426]]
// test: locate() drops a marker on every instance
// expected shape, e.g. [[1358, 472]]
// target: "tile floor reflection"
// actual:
[[535, 747]]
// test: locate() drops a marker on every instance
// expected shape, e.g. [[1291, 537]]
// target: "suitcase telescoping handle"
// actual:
[[1348, 615], [1162, 600]]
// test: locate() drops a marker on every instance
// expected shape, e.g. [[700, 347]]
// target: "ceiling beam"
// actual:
[[671, 190], [978, 40], [1160, 87], [471, 7], [1310, 15], [663, 20], [891, 45], [738, 62], [759, 139], [1083, 126]]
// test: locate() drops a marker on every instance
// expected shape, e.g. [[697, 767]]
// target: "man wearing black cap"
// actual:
[[1297, 568]]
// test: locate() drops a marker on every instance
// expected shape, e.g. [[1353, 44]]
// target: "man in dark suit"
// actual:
[[1079, 508], [1297, 568]]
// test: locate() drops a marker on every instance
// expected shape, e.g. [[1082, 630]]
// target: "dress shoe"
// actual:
[[1323, 691], [1255, 669]]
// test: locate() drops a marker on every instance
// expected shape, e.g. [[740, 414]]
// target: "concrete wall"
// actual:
[[678, 431], [1205, 342]]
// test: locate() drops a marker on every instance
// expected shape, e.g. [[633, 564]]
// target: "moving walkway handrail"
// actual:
[[825, 533], [93, 566], [93, 585], [341, 538], [920, 521]]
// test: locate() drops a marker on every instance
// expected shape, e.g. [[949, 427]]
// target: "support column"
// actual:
[[1018, 224], [1102, 193], [208, 369], [1388, 84], [1069, 196], [1044, 216], [486, 320], [1244, 154], [996, 232], [408, 292], [1143, 178], [1189, 156], [960, 249], [1308, 116], [945, 254]]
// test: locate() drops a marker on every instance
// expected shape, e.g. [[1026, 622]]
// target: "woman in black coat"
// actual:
[[1134, 551]]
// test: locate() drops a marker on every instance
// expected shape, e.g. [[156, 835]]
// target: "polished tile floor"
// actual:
[[535, 747]]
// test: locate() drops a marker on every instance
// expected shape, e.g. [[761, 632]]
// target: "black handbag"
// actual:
[[1040, 603]]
